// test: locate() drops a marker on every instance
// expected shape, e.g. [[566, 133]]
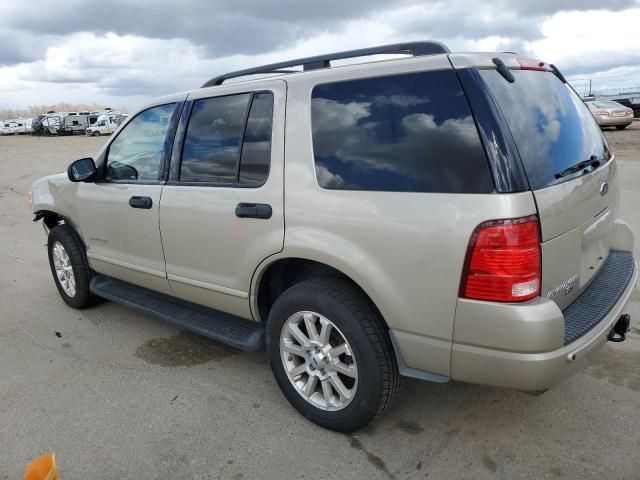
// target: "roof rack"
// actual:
[[324, 61]]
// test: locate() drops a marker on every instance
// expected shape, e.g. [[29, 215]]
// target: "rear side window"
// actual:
[[228, 140], [411, 133], [212, 141]]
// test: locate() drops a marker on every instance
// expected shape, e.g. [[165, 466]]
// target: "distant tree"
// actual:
[[34, 110]]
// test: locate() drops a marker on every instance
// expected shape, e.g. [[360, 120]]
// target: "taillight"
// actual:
[[603, 113], [531, 64], [503, 261]]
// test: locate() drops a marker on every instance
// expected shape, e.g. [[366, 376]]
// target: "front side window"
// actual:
[[228, 140], [411, 132], [136, 154]]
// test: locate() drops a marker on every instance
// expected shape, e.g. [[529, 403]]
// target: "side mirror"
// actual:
[[83, 170]]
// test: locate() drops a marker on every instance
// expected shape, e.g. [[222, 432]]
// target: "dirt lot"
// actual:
[[117, 394]]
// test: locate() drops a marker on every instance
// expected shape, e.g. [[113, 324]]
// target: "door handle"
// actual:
[[253, 210], [141, 202]]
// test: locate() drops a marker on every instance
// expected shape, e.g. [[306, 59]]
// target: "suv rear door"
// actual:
[[221, 211], [554, 131]]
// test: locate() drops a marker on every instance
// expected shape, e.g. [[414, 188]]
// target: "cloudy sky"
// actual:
[[122, 52]]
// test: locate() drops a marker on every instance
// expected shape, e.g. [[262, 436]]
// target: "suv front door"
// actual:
[[221, 212], [119, 213]]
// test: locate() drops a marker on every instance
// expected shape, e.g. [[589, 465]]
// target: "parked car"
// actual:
[[445, 216], [611, 114], [632, 103]]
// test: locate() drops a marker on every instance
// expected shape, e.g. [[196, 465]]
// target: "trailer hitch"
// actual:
[[619, 331]]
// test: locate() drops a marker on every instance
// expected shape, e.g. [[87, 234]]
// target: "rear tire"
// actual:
[[367, 354], [96, 134], [70, 267], [621, 127]]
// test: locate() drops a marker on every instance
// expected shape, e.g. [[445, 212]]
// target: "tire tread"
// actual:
[[372, 324], [81, 269]]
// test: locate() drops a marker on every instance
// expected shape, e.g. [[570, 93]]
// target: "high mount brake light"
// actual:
[[531, 64], [503, 261]]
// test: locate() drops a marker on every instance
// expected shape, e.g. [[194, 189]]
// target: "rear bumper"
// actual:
[[612, 121], [475, 362]]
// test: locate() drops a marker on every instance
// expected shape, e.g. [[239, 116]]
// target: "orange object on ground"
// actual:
[[42, 468]]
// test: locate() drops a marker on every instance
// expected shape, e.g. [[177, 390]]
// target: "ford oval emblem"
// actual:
[[604, 189]]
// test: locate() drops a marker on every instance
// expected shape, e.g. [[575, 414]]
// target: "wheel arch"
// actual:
[[275, 276], [51, 219]]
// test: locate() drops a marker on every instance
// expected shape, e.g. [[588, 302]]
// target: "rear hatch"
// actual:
[[570, 171]]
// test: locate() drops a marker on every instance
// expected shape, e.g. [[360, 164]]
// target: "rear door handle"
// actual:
[[254, 210], [141, 202]]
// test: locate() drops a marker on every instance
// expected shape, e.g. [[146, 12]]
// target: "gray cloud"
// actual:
[[228, 27], [224, 27], [184, 44], [549, 7], [18, 46]]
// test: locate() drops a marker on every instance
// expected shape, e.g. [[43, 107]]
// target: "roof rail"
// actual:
[[324, 61]]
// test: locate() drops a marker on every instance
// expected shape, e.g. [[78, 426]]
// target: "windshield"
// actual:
[[552, 128]]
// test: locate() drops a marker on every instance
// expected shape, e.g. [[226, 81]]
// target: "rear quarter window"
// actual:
[[411, 132]]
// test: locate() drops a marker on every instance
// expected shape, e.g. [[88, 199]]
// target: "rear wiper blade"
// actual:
[[593, 161]]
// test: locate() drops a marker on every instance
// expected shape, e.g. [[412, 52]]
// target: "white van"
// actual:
[[106, 124]]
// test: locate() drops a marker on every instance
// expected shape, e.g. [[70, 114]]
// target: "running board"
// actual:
[[234, 331]]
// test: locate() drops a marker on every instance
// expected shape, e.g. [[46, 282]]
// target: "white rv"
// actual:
[[11, 127], [73, 122], [22, 126], [50, 124], [5, 127]]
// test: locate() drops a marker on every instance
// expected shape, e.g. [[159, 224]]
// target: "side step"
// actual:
[[222, 327]]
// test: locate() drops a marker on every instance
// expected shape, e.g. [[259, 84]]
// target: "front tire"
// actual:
[[331, 355], [96, 134], [70, 267]]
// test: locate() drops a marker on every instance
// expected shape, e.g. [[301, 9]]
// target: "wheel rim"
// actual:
[[318, 361], [63, 268]]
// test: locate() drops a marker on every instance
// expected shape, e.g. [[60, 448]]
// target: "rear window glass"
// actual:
[[552, 127], [606, 104], [411, 132]]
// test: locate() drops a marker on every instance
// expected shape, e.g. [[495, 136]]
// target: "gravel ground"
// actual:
[[117, 394]]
